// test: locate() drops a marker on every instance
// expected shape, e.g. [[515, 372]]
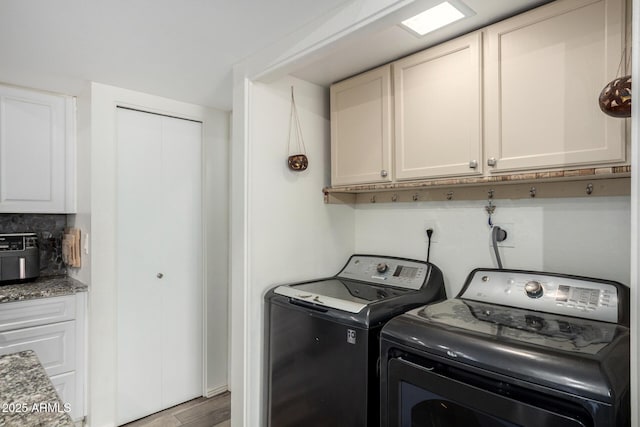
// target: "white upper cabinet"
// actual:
[[520, 95], [438, 114], [544, 72], [37, 151], [361, 128]]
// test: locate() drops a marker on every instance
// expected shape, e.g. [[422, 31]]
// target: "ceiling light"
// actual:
[[432, 19]]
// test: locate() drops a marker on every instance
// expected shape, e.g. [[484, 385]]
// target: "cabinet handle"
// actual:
[[159, 275], [22, 263], [473, 164], [491, 161], [384, 173]]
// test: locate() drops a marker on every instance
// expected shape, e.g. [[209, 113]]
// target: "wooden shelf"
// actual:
[[592, 182]]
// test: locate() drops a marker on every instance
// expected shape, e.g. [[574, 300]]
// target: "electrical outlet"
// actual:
[[512, 236], [435, 237]]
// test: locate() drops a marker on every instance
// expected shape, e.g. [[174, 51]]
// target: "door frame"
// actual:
[[97, 127]]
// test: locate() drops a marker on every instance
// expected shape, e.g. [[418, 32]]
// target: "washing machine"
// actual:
[[322, 339]]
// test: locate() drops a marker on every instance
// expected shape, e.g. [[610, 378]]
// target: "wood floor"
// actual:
[[201, 412]]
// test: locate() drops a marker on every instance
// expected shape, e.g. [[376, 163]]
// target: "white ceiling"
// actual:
[[185, 49], [389, 41]]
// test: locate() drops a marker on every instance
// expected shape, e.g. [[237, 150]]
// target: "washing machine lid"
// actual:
[[344, 295], [368, 280]]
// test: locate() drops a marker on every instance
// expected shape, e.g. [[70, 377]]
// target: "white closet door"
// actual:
[[182, 263], [159, 263]]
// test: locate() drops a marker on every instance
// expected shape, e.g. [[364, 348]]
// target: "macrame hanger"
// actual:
[[298, 161]]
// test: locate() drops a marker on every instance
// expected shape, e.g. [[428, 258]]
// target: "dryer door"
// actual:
[[436, 395]]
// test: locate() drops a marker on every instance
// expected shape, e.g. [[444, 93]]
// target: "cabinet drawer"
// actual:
[[23, 314], [54, 345]]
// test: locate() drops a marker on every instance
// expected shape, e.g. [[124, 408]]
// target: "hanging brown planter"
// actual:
[[297, 160], [615, 98]]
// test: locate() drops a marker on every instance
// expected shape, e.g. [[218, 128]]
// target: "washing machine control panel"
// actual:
[[565, 295], [401, 273]]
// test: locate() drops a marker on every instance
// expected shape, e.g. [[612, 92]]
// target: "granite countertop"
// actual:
[[27, 397], [43, 287]]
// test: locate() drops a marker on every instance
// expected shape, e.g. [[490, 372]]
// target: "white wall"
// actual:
[[102, 290], [216, 205], [582, 236], [292, 234], [82, 219]]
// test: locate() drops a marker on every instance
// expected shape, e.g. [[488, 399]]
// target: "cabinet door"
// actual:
[[37, 133], [438, 114], [159, 248], [361, 128], [65, 385], [545, 70]]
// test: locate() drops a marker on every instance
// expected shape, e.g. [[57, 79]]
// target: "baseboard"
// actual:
[[217, 390]]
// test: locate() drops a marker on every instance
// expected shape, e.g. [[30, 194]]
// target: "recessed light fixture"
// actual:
[[432, 19]]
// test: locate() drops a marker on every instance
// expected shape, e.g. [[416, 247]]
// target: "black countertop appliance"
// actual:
[[322, 339], [19, 257]]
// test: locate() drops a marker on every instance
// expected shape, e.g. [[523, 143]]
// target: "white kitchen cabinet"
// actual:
[[53, 328], [37, 151], [438, 110], [159, 263], [544, 72], [361, 128]]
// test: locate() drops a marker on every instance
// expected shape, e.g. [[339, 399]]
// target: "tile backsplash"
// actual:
[[50, 230]]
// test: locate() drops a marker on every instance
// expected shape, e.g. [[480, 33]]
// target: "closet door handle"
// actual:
[[159, 275]]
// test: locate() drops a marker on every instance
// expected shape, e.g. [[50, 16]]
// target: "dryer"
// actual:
[[513, 349]]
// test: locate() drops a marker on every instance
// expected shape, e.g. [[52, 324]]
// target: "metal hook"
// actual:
[[490, 208]]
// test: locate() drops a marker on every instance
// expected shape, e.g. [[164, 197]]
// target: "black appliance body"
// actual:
[[513, 349], [19, 257], [322, 346]]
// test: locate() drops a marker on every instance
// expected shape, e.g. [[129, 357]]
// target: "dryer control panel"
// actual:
[[398, 272], [549, 293]]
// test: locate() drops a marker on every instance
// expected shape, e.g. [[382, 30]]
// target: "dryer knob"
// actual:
[[533, 289], [382, 267]]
